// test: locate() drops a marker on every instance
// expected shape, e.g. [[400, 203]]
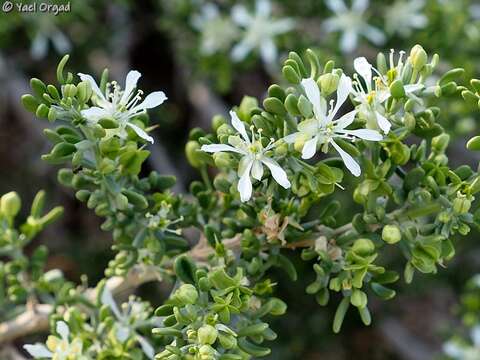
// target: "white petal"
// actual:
[[278, 173], [140, 132], [360, 5], [241, 16], [374, 35], [364, 69], [345, 120], [313, 95], [146, 347], [348, 41], [337, 6], [130, 85], [62, 330], [268, 51], [453, 350], [152, 100], [348, 160], [95, 113], [366, 134], [93, 85], [257, 170], [122, 333], [241, 50], [344, 89], [410, 88], [107, 299], [239, 125], [213, 148], [39, 47], [244, 184], [61, 42], [309, 148], [282, 26], [289, 139], [38, 351], [475, 335], [263, 8], [383, 122]]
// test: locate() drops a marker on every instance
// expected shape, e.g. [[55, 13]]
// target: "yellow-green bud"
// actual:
[[227, 341], [84, 91], [247, 104], [207, 334], [217, 121], [418, 57], [363, 247], [224, 129], [328, 83], [440, 142], [281, 148], [187, 293], [391, 234], [397, 90], [191, 150], [461, 204], [206, 352], [69, 90], [10, 204], [223, 160]]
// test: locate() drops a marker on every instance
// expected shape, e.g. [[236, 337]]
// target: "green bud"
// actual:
[[84, 91], [51, 216], [207, 334], [187, 293], [461, 204], [42, 111], [10, 204], [274, 105], [191, 151], [440, 142], [363, 247], [108, 123], [278, 307], [305, 106], [217, 121], [30, 103], [247, 104], [69, 90], [391, 234], [227, 341], [397, 90], [290, 74], [281, 149], [328, 83], [206, 352], [52, 114], [474, 143], [223, 160], [418, 57]]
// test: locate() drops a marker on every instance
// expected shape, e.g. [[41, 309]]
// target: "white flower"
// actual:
[[57, 348], [404, 16], [352, 24], [323, 128], [123, 328], [371, 97], [462, 351], [217, 31], [121, 105], [261, 30], [253, 158]]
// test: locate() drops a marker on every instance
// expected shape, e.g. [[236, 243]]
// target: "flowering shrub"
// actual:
[[272, 174]]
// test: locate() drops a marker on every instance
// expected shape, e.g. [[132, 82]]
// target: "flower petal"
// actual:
[[213, 148], [263, 8], [345, 120], [278, 173], [309, 148], [373, 34], [366, 134], [337, 6], [360, 5], [313, 95], [93, 85], [364, 69], [475, 335], [241, 50], [122, 333], [348, 41], [130, 84], [146, 347], [107, 299], [348, 160], [383, 122], [95, 113], [140, 132], [344, 89], [257, 170], [38, 351], [410, 88], [268, 51], [241, 16], [289, 139], [62, 330], [239, 125], [152, 100], [245, 184]]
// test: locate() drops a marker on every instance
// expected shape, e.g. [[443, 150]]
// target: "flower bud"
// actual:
[[397, 90], [227, 341], [207, 334], [391, 234], [187, 293], [328, 83], [247, 104], [69, 90], [418, 57], [461, 204], [206, 352], [440, 142], [223, 160], [10, 204], [281, 148], [191, 150], [363, 247], [84, 91], [217, 121]]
